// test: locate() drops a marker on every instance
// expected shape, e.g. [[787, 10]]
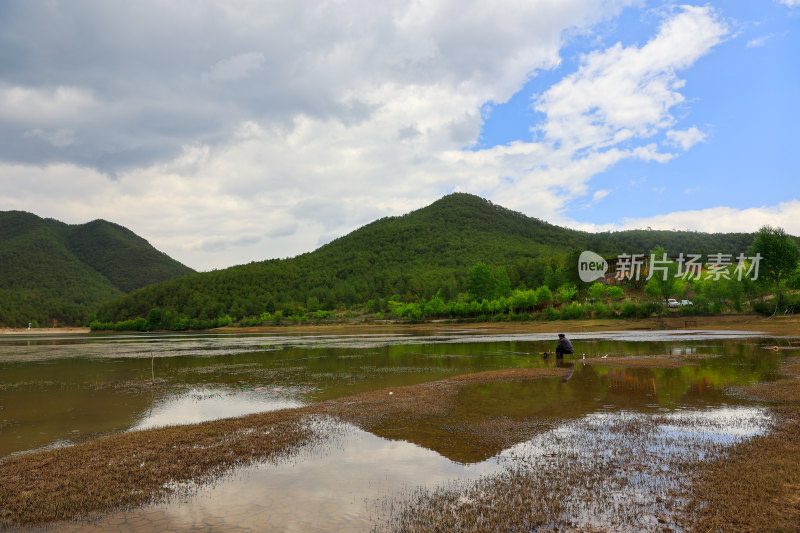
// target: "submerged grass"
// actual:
[[605, 472], [134, 468], [138, 467], [657, 473]]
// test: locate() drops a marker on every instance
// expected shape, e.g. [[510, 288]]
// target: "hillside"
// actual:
[[411, 256], [52, 270]]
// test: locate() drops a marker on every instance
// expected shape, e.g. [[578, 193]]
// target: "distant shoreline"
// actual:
[[42, 331], [780, 325]]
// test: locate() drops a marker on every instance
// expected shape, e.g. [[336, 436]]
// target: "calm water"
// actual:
[[60, 390]]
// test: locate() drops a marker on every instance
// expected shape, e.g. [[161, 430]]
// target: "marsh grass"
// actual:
[[713, 470], [756, 487], [139, 467], [604, 472], [133, 468]]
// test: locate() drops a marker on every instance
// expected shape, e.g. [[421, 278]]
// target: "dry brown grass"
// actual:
[[622, 472], [783, 391], [514, 500], [137, 467], [754, 488], [757, 486], [133, 468]]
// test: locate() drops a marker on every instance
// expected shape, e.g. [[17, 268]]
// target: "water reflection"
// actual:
[[354, 480], [67, 389], [201, 405]]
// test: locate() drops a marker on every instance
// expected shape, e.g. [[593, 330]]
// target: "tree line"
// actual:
[[555, 292]]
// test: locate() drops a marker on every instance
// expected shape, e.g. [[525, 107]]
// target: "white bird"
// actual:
[[584, 356], [606, 355]]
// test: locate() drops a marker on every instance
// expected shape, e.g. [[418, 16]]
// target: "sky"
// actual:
[[226, 132]]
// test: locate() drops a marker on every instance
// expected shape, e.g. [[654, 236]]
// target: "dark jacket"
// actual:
[[565, 346]]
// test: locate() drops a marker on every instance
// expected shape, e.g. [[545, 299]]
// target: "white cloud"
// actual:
[[618, 96], [334, 115], [45, 105], [599, 195], [685, 139], [622, 92], [716, 219], [790, 3], [759, 41]]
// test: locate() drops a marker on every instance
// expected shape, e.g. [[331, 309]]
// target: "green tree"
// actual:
[[502, 283], [154, 318], [555, 277], [571, 269], [779, 256], [566, 293], [312, 304], [615, 292], [597, 291], [544, 297], [661, 271], [481, 282]]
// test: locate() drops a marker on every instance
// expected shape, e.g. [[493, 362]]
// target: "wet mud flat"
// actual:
[[756, 487], [624, 443], [134, 468]]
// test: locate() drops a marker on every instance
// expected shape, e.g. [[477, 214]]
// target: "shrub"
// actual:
[[615, 292], [600, 310], [137, 324], [628, 310], [551, 313], [572, 311], [543, 296]]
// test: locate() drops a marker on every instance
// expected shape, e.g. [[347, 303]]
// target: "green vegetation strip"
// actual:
[[136, 468]]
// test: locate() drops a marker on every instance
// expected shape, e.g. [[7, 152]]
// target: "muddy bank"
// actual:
[[138, 467], [779, 325], [757, 486], [589, 473], [43, 331], [646, 361]]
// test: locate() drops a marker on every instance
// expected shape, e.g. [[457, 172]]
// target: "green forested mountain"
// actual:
[[411, 257], [51, 270]]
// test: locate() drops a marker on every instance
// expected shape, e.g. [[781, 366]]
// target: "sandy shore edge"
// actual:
[[778, 325]]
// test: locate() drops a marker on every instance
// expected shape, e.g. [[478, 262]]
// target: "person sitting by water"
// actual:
[[563, 346]]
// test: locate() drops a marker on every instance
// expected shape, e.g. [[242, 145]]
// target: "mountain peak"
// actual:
[[64, 271]]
